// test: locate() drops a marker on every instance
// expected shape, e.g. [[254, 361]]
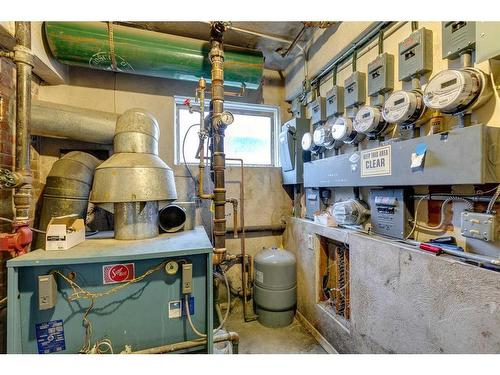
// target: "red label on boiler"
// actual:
[[118, 273]]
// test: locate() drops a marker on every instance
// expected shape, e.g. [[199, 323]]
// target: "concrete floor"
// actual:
[[257, 339]]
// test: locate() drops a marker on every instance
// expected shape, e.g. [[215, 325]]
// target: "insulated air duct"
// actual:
[[134, 180], [104, 46]]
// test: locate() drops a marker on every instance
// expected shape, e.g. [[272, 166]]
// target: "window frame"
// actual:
[[272, 111]]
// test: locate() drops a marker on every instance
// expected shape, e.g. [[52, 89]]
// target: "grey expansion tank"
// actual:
[[275, 287]]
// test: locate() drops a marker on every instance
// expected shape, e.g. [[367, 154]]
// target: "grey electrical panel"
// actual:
[[381, 74], [458, 36], [390, 165], [487, 46], [318, 110], [355, 89], [298, 109], [415, 54], [335, 101], [313, 202], [390, 212], [291, 154]]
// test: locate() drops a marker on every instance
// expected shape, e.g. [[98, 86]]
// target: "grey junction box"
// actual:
[[355, 89], [335, 101], [458, 36], [381, 74], [415, 54]]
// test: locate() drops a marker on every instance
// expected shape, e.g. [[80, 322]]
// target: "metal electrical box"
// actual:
[[291, 153], [144, 314], [390, 212], [318, 110], [381, 74], [335, 101], [487, 46], [461, 156], [313, 202], [298, 109], [457, 36], [415, 54], [355, 89]]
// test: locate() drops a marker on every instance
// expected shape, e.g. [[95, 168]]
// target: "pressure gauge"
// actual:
[[343, 130], [369, 121], [226, 118], [403, 107], [453, 91]]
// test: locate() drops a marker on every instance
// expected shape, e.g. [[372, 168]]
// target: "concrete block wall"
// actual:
[[403, 300]]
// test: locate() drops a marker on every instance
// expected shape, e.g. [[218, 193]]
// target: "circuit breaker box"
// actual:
[[145, 314], [415, 54], [291, 154], [390, 212], [381, 74], [335, 101], [313, 202], [458, 36], [355, 89]]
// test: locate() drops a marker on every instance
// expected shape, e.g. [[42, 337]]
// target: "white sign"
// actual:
[[376, 162]]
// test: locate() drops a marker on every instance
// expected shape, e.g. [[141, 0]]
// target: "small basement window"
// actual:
[[334, 280], [251, 137]]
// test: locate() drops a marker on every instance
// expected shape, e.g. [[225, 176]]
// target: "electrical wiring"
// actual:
[[184, 155], [3, 301], [493, 200], [11, 221], [188, 313]]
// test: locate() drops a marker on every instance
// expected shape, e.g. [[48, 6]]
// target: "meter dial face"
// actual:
[[452, 91], [342, 129], [323, 137], [369, 120], [307, 142], [403, 107]]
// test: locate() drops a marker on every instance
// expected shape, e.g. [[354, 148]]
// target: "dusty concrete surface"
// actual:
[[403, 300], [257, 339]]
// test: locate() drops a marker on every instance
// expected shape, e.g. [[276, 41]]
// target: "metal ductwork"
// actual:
[[105, 46], [67, 189], [79, 124], [134, 181]]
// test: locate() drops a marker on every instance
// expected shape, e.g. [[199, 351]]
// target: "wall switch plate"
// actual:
[[47, 292], [478, 225], [187, 278]]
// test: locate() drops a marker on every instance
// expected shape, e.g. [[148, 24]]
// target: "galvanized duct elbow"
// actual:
[[67, 189], [134, 180]]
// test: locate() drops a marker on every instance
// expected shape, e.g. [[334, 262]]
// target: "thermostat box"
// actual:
[[64, 232]]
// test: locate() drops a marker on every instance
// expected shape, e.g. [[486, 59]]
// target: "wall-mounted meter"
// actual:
[[298, 109], [355, 89], [381, 74], [403, 107], [415, 55], [343, 131], [323, 136], [307, 144], [335, 101], [350, 212], [458, 36], [369, 121], [453, 91], [318, 110]]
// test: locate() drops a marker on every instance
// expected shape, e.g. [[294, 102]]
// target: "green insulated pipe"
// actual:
[[100, 45]]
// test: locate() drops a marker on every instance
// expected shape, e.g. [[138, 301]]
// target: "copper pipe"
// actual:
[[244, 272], [234, 202], [233, 337]]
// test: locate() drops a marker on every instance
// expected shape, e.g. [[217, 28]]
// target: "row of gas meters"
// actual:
[[452, 92]]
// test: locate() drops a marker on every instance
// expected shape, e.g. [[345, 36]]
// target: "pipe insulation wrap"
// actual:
[[149, 53]]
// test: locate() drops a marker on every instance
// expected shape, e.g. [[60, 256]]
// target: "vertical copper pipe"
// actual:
[[219, 159], [24, 65]]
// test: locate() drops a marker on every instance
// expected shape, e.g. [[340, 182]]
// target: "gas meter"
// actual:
[[453, 91], [403, 107], [309, 145], [369, 121], [343, 130]]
